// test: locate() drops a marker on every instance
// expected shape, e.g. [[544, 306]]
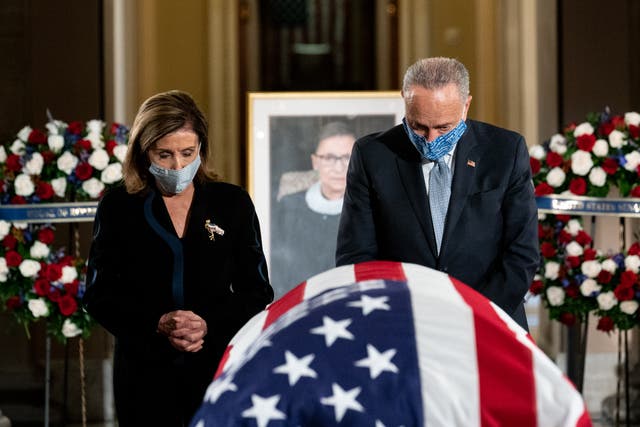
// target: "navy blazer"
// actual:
[[490, 239]]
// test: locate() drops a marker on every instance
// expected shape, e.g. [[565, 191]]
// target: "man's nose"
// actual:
[[431, 135]]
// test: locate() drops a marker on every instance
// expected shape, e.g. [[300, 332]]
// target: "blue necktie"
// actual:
[[439, 193]]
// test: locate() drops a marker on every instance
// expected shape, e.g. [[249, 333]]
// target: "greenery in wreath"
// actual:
[[575, 279], [67, 163]]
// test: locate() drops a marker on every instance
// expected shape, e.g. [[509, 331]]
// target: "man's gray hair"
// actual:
[[435, 73]]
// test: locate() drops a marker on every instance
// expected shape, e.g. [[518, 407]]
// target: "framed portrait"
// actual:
[[298, 155]]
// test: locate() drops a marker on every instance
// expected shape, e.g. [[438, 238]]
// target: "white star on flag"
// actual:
[[378, 362], [215, 390], [342, 400], [296, 368], [264, 410], [333, 330], [369, 304]]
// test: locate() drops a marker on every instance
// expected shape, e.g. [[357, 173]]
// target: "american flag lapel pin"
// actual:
[[213, 229], [471, 163]]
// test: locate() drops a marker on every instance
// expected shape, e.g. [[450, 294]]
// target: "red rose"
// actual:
[[53, 272], [48, 156], [111, 144], [18, 200], [535, 165], [589, 254], [54, 295], [610, 165], [554, 159], [84, 171], [586, 142], [536, 287], [13, 302], [540, 230], [606, 128], [37, 137], [618, 122], [114, 128], [578, 186], [46, 235], [563, 218], [75, 128], [570, 128], [604, 277], [41, 287], [543, 189], [572, 291], [564, 237], [72, 288], [44, 190], [628, 278], [583, 238], [623, 293], [68, 305], [634, 131], [634, 249], [83, 144], [605, 324], [635, 191], [547, 250], [13, 163], [573, 261], [67, 260], [9, 241], [568, 318], [13, 258]]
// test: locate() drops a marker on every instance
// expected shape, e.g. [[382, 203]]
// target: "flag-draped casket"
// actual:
[[387, 344]]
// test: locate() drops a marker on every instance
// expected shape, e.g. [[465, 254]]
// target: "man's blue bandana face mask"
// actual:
[[438, 147], [171, 181]]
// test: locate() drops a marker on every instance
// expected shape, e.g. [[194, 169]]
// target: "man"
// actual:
[[305, 226], [444, 192]]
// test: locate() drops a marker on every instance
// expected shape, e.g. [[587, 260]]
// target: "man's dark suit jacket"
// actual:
[[490, 239]]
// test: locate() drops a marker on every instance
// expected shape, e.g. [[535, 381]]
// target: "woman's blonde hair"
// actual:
[[157, 117]]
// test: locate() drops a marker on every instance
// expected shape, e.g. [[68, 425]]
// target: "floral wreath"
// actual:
[[575, 279], [70, 162]]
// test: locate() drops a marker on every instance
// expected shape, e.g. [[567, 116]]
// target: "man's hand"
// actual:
[[184, 329]]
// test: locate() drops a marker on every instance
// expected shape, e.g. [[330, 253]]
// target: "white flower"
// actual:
[[555, 295], [556, 177], [558, 144], [3, 154], [573, 227], [581, 162], [606, 300], [551, 270], [39, 250], [589, 286], [34, 165], [537, 152], [632, 118], [95, 126], [93, 187], [4, 270], [609, 265], [70, 329], [95, 139], [5, 227], [629, 307], [598, 176], [632, 262], [542, 216], [583, 129], [38, 307], [120, 151], [574, 249], [94, 133], [112, 173], [24, 133], [67, 162], [17, 147], [21, 225], [24, 185], [56, 142], [633, 160], [99, 159], [69, 274], [59, 186], [29, 268], [591, 268], [601, 148], [617, 139]]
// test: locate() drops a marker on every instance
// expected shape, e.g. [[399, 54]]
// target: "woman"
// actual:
[[176, 266]]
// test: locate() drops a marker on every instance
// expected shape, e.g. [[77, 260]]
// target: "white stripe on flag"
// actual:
[[338, 277]]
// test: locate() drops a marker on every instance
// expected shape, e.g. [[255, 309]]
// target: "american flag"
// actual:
[[387, 344]]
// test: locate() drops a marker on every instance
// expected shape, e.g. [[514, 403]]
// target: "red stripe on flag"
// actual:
[[223, 361], [379, 270], [284, 304], [505, 367]]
